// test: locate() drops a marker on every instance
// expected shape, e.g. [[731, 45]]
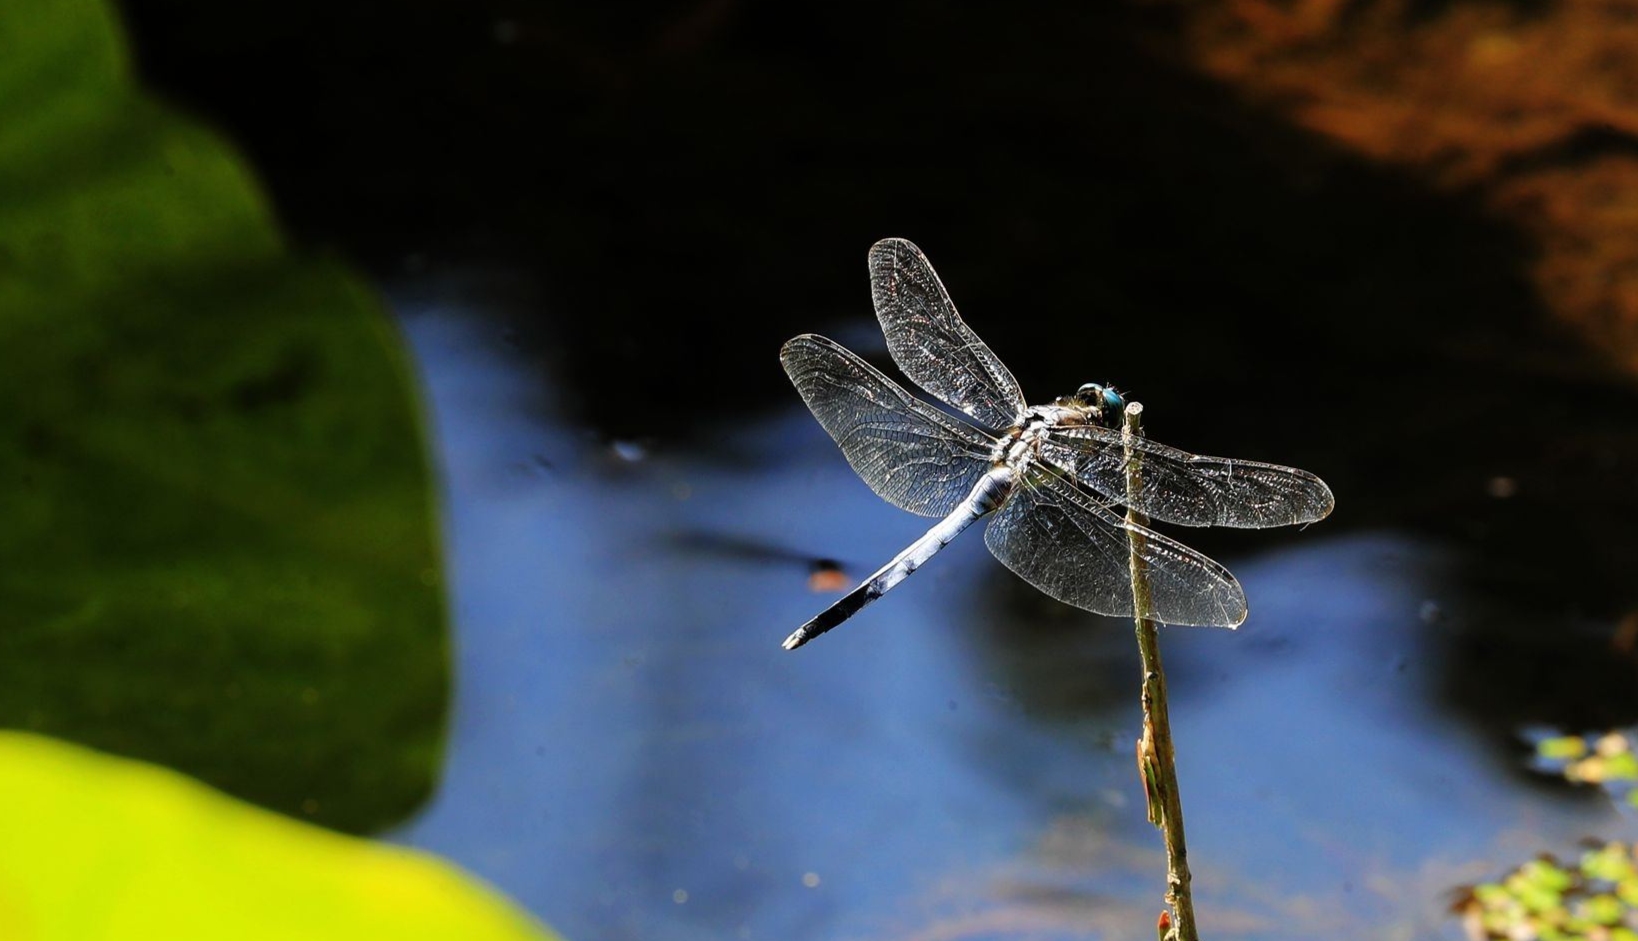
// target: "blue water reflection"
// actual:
[[634, 756]]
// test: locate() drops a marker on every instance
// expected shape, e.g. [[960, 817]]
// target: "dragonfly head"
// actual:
[[1104, 401]]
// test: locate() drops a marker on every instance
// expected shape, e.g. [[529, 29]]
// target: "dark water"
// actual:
[[634, 756]]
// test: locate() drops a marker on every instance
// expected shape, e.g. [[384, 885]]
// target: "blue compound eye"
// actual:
[[1113, 402]]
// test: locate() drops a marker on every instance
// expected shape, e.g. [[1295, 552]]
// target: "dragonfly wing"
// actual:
[[1189, 489], [1075, 549], [913, 455], [930, 342]]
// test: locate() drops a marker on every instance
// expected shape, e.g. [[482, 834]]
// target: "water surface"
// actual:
[[634, 756]]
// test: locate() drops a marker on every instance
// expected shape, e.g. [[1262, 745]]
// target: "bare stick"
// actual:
[[1157, 762]]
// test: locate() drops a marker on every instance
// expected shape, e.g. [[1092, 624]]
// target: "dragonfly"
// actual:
[[1051, 476]]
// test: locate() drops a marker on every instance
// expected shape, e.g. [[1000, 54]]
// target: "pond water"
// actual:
[[633, 755]]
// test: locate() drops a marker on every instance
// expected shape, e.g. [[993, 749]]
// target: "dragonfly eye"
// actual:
[[1113, 402], [1105, 399]]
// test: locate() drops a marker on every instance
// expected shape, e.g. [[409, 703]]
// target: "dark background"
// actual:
[[700, 180]]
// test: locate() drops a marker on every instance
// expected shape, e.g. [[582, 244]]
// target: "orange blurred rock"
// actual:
[[1534, 112]]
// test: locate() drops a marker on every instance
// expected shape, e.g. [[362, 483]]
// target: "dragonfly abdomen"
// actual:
[[990, 492]]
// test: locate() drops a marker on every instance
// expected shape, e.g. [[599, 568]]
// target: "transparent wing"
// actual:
[[913, 455], [1189, 489], [1075, 549], [929, 341]]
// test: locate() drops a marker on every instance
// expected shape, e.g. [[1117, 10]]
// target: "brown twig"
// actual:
[[1157, 762]]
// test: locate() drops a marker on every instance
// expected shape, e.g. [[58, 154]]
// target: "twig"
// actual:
[[1155, 756]]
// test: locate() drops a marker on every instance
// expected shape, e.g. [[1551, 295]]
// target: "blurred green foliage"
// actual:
[[100, 847], [1596, 900], [1606, 760], [218, 540]]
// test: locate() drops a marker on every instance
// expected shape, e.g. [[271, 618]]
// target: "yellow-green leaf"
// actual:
[[1562, 748], [1610, 862], [96, 847]]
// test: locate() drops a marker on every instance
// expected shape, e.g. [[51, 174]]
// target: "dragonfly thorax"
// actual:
[[1022, 444], [1067, 411], [1091, 405], [1018, 446]]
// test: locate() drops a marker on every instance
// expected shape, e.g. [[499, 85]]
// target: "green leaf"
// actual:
[[1627, 891], [1621, 766], [1542, 876], [1610, 863], [101, 847], [1562, 748], [219, 550], [1602, 910]]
